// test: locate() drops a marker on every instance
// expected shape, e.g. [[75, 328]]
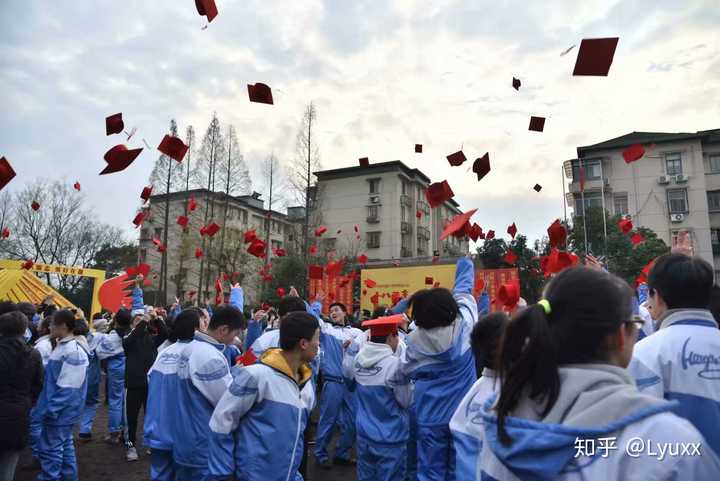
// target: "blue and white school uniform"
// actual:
[[59, 408], [442, 365], [383, 397], [92, 399], [109, 347], [681, 362], [257, 426], [44, 346]]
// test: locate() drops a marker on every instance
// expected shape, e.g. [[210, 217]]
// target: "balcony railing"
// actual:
[[423, 232], [405, 228], [373, 220], [423, 207], [405, 200]]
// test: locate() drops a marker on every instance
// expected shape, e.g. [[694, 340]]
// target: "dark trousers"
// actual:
[[134, 399]]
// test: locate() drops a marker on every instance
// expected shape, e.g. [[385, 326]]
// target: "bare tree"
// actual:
[[307, 159], [185, 250]]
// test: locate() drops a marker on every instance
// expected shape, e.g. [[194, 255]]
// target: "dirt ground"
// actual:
[[98, 461]]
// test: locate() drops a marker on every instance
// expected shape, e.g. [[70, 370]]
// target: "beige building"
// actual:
[[675, 186], [383, 200]]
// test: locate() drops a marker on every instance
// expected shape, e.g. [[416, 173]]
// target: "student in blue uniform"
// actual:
[[92, 398], [257, 427], [681, 361], [271, 337], [225, 324], [438, 358], [61, 401], [383, 396], [164, 383], [465, 425], [568, 409]]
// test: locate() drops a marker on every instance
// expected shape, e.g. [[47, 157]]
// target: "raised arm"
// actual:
[[464, 276], [237, 297]]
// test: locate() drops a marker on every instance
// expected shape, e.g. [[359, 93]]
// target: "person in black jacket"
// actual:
[[140, 348], [21, 380]]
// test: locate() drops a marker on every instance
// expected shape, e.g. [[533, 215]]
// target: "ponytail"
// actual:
[[528, 359]]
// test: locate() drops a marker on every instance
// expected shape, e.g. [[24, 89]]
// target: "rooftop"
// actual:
[[650, 137], [245, 200]]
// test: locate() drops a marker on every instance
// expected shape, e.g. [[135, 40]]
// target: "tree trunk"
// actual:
[[227, 204], [164, 258], [208, 199]]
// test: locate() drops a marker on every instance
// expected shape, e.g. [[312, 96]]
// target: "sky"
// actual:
[[383, 74]]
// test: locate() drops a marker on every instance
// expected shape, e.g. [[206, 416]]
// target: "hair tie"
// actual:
[[546, 306]]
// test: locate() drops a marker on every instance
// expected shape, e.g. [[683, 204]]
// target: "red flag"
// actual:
[[247, 359]]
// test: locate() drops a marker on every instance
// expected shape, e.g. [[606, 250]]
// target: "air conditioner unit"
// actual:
[[677, 217], [375, 199], [681, 179], [663, 179]]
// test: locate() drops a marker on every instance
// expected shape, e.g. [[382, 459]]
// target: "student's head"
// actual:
[[485, 339], [62, 324], [379, 311], [391, 340], [338, 313], [433, 308], [589, 320], [7, 306], [96, 316], [185, 324], [291, 304], [28, 309], [677, 281], [300, 331], [226, 324], [13, 324], [123, 318], [81, 328]]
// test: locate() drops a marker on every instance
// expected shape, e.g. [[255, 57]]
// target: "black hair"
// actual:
[[714, 304], [291, 304], [27, 308], [485, 340], [123, 317], [433, 308], [226, 315], [296, 326], [13, 323], [64, 316], [50, 310], [185, 324], [81, 328], [379, 339], [682, 281], [340, 305], [586, 306], [7, 306], [96, 316], [379, 311]]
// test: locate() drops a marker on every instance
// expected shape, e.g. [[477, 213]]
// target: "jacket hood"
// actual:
[[82, 342], [273, 358], [594, 400], [687, 316], [371, 353], [437, 342]]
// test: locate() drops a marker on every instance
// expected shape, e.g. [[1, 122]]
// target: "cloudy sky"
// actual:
[[384, 74]]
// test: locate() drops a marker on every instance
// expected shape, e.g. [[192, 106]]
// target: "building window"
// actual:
[[713, 197], [591, 200], [329, 244], [715, 240], [158, 232], [715, 163], [620, 201], [244, 217], [373, 240], [373, 213], [374, 186], [673, 163], [677, 201], [403, 214], [593, 170], [404, 188], [144, 234]]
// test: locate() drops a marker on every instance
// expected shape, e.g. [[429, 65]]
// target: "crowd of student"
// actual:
[[435, 388]]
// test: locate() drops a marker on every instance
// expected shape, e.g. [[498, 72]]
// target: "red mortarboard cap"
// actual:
[[279, 252], [218, 285], [429, 281], [315, 272], [76, 186], [364, 161], [192, 204], [383, 326], [633, 153], [5, 233], [418, 214], [481, 166], [490, 235], [280, 292], [250, 236], [557, 234], [516, 83], [183, 221], [625, 225], [173, 148], [362, 259], [475, 232], [463, 231], [6, 172], [370, 283], [27, 265], [509, 294], [637, 238], [418, 148], [114, 124], [313, 249], [457, 158], [260, 93], [438, 193], [512, 230], [119, 158], [510, 257], [595, 56], [247, 359], [320, 231], [537, 124], [198, 253], [457, 223], [35, 206], [257, 248], [146, 193], [537, 188], [225, 277], [141, 268], [211, 229], [207, 9], [558, 261]]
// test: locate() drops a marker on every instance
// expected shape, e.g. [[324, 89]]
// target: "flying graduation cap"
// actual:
[[595, 56], [260, 93], [207, 8], [438, 193], [119, 158], [481, 166], [457, 224], [633, 153], [537, 124], [6, 172], [114, 124], [364, 162], [173, 148], [516, 83], [418, 148], [457, 158]]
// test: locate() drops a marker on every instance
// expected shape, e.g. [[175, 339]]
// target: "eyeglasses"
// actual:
[[637, 321]]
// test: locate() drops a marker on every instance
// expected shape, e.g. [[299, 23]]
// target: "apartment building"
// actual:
[[243, 213], [387, 203], [675, 186]]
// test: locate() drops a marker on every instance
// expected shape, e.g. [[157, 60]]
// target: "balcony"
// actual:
[[594, 185], [405, 200], [423, 233], [423, 207], [405, 228], [373, 220]]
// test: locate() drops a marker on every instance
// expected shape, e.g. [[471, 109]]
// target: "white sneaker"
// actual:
[[132, 454]]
